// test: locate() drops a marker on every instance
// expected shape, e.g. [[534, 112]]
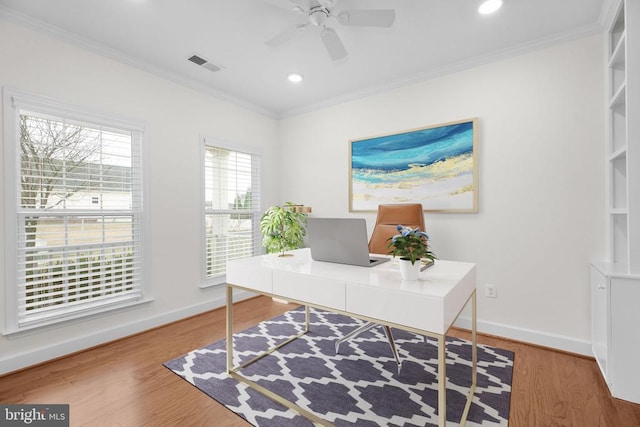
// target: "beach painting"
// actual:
[[434, 165]]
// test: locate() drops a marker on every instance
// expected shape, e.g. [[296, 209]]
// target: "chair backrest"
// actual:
[[389, 217]]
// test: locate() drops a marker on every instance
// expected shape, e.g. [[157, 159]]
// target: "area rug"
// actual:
[[359, 386]]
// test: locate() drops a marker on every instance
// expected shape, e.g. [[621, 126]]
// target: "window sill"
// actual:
[[212, 284], [90, 314]]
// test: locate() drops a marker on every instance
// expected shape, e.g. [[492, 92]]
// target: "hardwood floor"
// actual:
[[124, 383]]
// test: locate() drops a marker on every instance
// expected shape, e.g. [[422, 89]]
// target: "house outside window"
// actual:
[[73, 182], [231, 207]]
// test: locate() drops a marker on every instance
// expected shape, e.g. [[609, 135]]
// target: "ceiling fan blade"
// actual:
[[286, 35], [368, 17], [333, 44], [300, 6], [327, 3]]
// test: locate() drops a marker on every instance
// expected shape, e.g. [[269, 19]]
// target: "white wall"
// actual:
[[541, 180], [541, 216], [175, 117]]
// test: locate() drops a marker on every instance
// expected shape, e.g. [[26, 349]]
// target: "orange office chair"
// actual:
[[389, 217]]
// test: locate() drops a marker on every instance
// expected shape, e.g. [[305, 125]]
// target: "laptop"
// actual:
[[341, 240]]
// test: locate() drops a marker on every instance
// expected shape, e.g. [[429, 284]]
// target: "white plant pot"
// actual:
[[409, 271]]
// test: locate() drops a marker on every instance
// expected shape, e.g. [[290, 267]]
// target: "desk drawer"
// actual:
[[314, 290], [413, 310], [249, 276]]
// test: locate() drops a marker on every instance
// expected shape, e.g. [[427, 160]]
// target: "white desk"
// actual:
[[428, 306]]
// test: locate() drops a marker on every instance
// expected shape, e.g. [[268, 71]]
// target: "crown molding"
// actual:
[[608, 9], [455, 67]]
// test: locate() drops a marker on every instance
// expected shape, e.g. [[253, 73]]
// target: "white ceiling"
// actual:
[[429, 37]]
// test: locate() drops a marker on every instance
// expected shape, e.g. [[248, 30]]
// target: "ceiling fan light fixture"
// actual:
[[295, 77], [318, 16], [489, 6]]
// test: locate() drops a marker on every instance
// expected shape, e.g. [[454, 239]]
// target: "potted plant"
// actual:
[[284, 227], [411, 245]]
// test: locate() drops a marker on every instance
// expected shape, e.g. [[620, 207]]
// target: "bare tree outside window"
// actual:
[[76, 195], [51, 154], [74, 211]]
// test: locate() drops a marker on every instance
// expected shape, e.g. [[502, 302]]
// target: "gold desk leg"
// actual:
[[474, 361], [229, 329], [281, 400], [234, 372], [474, 341], [442, 381], [306, 318]]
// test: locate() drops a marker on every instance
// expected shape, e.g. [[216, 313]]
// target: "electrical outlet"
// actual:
[[490, 291]]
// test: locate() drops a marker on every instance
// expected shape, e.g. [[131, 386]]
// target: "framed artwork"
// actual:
[[435, 165]]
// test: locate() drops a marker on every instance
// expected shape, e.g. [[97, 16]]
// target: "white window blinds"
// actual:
[[78, 217], [232, 208]]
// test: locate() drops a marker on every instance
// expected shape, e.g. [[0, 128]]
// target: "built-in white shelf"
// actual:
[[619, 153], [617, 58], [619, 98], [618, 129], [615, 283], [619, 211]]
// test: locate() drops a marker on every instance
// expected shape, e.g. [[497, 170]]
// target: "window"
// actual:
[[74, 198], [231, 208]]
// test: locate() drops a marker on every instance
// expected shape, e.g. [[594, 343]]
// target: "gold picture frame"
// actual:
[[434, 165]]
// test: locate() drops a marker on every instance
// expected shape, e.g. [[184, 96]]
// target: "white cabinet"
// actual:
[[615, 337], [615, 285], [600, 319], [623, 136]]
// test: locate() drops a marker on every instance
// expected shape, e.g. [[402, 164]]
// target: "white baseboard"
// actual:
[[49, 352], [45, 353], [560, 342]]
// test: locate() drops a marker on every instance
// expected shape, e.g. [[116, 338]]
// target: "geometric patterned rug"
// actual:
[[358, 387]]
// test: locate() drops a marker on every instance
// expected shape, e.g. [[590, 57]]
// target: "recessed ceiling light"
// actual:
[[489, 6], [295, 77]]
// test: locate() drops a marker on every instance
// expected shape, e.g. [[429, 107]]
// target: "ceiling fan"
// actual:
[[321, 12]]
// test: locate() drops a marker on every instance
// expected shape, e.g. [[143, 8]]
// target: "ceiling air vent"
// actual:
[[198, 60]]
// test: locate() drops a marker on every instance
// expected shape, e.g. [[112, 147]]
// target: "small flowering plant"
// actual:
[[411, 244]]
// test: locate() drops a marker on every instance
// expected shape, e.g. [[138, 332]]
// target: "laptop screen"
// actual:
[[340, 240]]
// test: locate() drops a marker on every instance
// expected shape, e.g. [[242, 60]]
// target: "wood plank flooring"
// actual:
[[124, 383]]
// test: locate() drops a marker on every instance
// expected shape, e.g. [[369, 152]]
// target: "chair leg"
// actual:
[[392, 344], [366, 327], [354, 333]]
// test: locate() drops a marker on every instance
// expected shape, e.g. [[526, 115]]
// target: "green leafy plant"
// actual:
[[411, 244], [283, 228]]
